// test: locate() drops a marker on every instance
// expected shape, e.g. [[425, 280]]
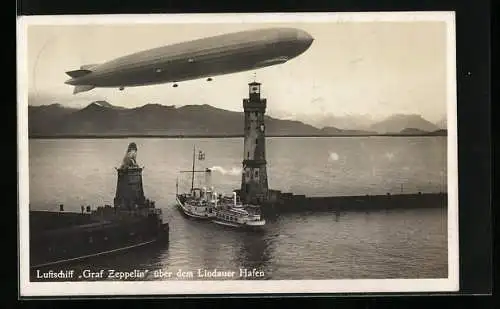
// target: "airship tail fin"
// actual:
[[82, 88], [78, 73]]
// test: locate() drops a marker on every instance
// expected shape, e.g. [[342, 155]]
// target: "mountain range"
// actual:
[[100, 118]]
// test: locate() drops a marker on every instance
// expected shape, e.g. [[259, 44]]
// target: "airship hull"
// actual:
[[208, 57]]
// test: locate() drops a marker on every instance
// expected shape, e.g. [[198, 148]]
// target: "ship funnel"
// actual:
[[208, 177], [234, 198]]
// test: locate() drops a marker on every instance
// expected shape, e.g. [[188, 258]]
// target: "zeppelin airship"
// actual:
[[196, 59]]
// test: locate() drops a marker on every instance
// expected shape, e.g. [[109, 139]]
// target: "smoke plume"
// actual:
[[234, 171]]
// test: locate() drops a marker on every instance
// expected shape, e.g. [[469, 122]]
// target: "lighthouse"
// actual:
[[254, 186]]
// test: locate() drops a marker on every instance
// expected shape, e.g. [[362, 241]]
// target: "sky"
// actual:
[[352, 68]]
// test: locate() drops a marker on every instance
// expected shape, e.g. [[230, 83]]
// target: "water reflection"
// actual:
[[255, 252]]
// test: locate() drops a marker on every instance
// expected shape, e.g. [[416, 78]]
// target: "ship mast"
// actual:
[[192, 177], [192, 171]]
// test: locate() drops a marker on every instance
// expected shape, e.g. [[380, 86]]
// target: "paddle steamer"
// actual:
[[231, 212], [198, 203]]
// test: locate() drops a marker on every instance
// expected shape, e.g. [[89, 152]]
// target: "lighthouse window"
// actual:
[[256, 173], [256, 114], [248, 154], [256, 141]]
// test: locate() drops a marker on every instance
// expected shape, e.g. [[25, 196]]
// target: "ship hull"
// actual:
[[185, 210], [249, 226], [74, 243]]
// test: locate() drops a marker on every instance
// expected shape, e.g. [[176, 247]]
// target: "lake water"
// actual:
[[381, 244]]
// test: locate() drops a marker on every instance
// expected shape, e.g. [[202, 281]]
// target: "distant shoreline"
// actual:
[[180, 136]]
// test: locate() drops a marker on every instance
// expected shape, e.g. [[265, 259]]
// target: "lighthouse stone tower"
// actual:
[[254, 186]]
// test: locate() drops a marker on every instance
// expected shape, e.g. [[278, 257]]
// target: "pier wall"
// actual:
[[49, 220], [289, 202]]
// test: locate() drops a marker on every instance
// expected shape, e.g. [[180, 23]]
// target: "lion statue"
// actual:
[[130, 157]]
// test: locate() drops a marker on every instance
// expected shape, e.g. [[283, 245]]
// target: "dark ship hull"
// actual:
[[60, 238]]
